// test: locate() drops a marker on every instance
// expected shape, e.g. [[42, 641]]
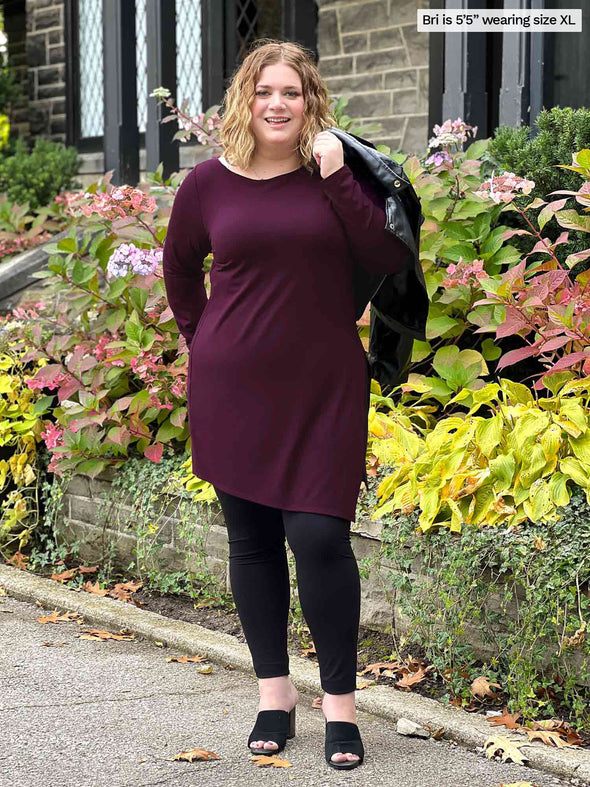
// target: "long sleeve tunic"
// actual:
[[277, 389]]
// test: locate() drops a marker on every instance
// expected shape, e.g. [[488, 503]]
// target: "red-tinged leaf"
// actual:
[[514, 356], [178, 416], [569, 360], [154, 452], [89, 362], [166, 315], [48, 373], [509, 233], [122, 403], [67, 389], [513, 323], [554, 344], [138, 427]]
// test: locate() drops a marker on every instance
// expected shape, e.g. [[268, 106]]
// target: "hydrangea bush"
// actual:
[[115, 368]]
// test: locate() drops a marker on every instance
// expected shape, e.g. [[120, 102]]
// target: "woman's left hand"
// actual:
[[328, 152]]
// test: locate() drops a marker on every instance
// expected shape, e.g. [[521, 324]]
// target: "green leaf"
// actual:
[[92, 467], [115, 318], [138, 298], [68, 244], [133, 331], [42, 404], [116, 288], [82, 272], [167, 432], [464, 250]]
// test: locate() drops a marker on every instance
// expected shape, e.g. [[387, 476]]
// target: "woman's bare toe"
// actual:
[[270, 745], [340, 757]]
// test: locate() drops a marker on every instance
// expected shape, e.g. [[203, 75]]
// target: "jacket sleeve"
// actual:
[[186, 246], [362, 213]]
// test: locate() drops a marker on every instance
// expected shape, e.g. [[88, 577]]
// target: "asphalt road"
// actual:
[[112, 713]]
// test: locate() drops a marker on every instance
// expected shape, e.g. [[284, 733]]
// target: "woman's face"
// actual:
[[278, 94]]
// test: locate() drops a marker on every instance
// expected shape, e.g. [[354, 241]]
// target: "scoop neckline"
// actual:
[[258, 180]]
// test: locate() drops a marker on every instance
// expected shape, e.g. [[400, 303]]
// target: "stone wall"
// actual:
[[106, 530], [46, 114], [371, 52], [36, 49]]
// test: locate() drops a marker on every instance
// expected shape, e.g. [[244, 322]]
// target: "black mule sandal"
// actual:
[[344, 737], [273, 725]]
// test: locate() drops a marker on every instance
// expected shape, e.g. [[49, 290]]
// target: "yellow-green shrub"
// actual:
[[502, 469], [21, 428]]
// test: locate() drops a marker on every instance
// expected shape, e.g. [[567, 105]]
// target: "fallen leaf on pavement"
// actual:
[[195, 754], [56, 617], [506, 748], [270, 759], [97, 634]]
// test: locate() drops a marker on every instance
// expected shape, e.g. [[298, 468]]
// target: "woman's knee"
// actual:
[[318, 536]]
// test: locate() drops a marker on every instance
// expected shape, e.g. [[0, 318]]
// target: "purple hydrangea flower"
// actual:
[[128, 257]]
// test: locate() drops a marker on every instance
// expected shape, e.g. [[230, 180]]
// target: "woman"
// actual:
[[277, 379]]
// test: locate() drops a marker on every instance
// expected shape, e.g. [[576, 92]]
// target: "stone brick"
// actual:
[[48, 17], [355, 42], [382, 61], [32, 87], [336, 66], [39, 119], [36, 50], [19, 60], [79, 485], [357, 84], [405, 102], [359, 16], [416, 134], [403, 12], [57, 54], [328, 34], [57, 125], [401, 78], [417, 45], [390, 126], [50, 75], [84, 509], [422, 90], [55, 37], [369, 105], [51, 91], [390, 38], [58, 107]]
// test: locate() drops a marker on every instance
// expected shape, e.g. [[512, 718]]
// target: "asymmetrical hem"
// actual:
[[278, 383]]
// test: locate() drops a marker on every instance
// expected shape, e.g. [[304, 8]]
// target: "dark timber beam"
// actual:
[[465, 94], [514, 96], [161, 72], [121, 134]]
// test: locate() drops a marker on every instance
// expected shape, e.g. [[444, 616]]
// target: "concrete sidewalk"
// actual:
[[97, 713]]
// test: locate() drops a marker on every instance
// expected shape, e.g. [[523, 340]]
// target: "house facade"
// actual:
[[88, 67]]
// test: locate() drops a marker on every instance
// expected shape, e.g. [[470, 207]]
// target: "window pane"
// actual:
[[141, 61], [90, 64], [188, 54]]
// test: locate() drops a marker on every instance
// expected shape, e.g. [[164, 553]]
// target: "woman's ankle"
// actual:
[[276, 689], [339, 707]]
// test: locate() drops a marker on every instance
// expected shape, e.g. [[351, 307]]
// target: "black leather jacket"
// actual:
[[399, 301]]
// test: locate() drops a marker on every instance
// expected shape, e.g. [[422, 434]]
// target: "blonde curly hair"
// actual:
[[235, 135]]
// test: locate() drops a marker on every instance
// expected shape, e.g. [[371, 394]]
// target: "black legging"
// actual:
[[328, 582]]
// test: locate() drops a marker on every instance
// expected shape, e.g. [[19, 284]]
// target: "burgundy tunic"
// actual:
[[277, 384]]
